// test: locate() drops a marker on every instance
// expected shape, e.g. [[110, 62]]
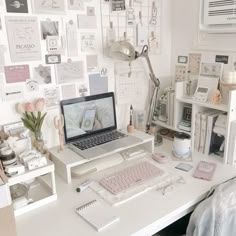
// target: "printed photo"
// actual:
[[49, 28], [19, 6], [48, 6], [42, 74]]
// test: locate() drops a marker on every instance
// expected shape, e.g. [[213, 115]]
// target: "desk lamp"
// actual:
[[125, 51]]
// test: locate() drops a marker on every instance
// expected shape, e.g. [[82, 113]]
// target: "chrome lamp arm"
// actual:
[[156, 82]]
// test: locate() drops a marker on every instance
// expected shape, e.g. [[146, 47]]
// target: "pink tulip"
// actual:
[[29, 107], [39, 104], [20, 108]]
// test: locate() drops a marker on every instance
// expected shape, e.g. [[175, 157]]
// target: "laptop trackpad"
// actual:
[[121, 143], [93, 152]]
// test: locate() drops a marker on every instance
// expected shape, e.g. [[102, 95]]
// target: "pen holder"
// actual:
[[130, 128]]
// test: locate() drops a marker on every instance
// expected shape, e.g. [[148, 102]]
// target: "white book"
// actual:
[[197, 131], [210, 124], [204, 121], [98, 215]]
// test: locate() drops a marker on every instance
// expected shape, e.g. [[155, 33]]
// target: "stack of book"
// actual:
[[204, 136]]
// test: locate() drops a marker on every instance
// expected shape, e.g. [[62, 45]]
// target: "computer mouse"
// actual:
[[159, 157], [206, 168]]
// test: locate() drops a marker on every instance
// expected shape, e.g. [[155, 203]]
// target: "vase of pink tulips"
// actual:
[[33, 118]]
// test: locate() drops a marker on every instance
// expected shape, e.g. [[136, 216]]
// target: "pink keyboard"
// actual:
[[130, 177]]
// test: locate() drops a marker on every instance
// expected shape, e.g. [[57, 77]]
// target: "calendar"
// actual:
[[129, 88]]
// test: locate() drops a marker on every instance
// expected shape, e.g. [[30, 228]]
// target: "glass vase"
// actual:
[[37, 141]]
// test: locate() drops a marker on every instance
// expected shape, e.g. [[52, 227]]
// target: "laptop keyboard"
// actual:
[[98, 139], [129, 177]]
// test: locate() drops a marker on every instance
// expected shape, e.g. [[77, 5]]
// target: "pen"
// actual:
[[83, 186], [131, 115]]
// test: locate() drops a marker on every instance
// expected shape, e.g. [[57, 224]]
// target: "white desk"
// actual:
[[144, 215]]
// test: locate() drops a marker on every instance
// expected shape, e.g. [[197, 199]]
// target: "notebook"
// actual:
[[98, 215], [90, 126]]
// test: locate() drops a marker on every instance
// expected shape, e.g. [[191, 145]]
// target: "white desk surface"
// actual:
[[143, 215]]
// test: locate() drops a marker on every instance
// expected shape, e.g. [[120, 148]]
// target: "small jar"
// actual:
[[7, 157]]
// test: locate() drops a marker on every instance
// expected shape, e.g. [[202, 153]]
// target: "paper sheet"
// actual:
[[92, 63], [12, 93], [70, 72], [52, 97], [87, 21], [15, 74], [88, 42], [72, 39], [68, 91], [98, 84], [48, 6], [82, 90], [76, 5], [2, 59], [23, 38]]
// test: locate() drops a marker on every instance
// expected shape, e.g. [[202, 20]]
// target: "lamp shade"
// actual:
[[122, 50]]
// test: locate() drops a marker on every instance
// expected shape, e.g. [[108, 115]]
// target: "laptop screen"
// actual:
[[88, 115]]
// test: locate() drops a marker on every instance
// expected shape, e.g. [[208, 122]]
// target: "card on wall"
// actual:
[[48, 6], [68, 91], [194, 63], [2, 59], [49, 28], [72, 39], [180, 72], [69, 72], [98, 84], [53, 59], [23, 38], [20, 6], [82, 90], [88, 42], [92, 63], [15, 74], [52, 97], [42, 74], [32, 85], [76, 5]]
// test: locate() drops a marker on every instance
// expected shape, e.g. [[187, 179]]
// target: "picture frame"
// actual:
[[48, 6], [183, 59]]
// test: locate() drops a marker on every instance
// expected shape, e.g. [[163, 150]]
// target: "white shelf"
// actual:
[[67, 159], [220, 107], [42, 190], [164, 125]]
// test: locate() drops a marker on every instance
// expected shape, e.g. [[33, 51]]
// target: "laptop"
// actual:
[[90, 126]]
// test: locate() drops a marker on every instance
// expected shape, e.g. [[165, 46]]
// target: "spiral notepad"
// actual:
[[97, 215]]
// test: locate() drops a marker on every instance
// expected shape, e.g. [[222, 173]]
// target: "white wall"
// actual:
[[161, 65], [186, 36]]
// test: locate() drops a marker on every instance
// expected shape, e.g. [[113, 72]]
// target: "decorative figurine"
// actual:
[[216, 97], [59, 124]]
